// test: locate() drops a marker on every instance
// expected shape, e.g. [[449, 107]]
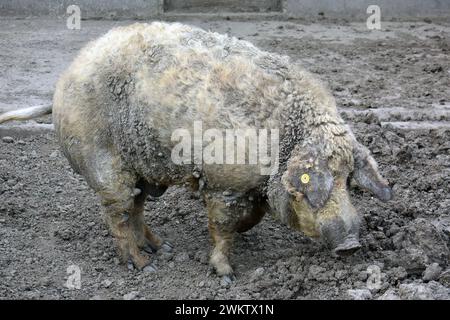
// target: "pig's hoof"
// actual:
[[149, 249], [150, 268], [130, 265], [220, 263], [228, 279], [166, 246]]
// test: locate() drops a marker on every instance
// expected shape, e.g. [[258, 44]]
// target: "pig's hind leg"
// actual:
[[223, 219], [122, 205], [125, 217], [120, 210], [146, 239]]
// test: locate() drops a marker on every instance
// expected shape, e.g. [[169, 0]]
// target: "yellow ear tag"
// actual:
[[304, 178]]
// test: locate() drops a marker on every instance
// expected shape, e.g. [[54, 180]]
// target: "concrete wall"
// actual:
[[352, 9], [193, 6], [89, 8], [357, 8]]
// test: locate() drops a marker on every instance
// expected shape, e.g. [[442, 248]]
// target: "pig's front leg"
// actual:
[[225, 213], [221, 227]]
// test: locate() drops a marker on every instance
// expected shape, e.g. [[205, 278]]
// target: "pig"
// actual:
[[118, 104]]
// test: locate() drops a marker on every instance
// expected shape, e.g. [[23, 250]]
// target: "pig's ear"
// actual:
[[366, 174], [307, 175]]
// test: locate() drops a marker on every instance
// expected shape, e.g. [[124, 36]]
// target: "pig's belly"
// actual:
[[152, 155]]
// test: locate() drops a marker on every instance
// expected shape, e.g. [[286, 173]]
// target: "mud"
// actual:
[[391, 85]]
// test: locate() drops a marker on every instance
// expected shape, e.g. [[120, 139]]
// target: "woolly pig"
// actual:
[[117, 106]]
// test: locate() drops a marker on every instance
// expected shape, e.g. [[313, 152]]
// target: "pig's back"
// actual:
[[175, 74]]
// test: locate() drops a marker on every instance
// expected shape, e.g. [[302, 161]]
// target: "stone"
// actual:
[[444, 279], [131, 296], [182, 257], [414, 291], [257, 274], [390, 294], [432, 272], [54, 154], [7, 139], [359, 294], [424, 291], [107, 283]]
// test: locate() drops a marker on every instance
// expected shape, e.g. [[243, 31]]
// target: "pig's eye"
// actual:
[[304, 178]]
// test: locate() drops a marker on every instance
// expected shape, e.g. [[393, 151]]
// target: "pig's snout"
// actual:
[[341, 236]]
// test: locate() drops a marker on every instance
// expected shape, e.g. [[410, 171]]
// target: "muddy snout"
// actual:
[[341, 237]]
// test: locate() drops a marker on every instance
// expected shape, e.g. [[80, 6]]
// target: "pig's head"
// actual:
[[316, 193]]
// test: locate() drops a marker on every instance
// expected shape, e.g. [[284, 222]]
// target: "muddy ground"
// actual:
[[391, 85]]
